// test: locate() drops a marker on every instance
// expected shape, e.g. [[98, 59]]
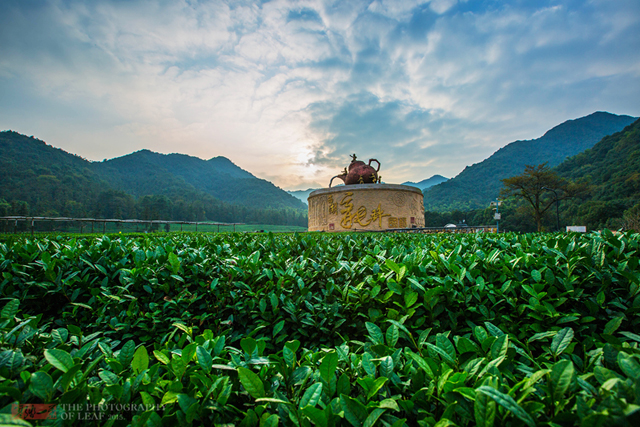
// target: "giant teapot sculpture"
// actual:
[[359, 173]]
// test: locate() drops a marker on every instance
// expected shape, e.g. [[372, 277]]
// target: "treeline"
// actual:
[[610, 174], [516, 216], [116, 204], [480, 183], [39, 180]]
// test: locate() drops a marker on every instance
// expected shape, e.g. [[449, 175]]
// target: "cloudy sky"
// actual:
[[288, 89]]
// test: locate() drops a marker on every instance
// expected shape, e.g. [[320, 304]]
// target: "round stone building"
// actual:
[[371, 206]]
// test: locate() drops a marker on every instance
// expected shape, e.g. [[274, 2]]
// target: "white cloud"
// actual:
[[287, 88], [441, 6]]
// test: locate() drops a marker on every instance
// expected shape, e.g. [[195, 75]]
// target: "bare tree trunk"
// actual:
[[539, 222]]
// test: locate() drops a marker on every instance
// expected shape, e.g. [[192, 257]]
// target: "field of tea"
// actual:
[[325, 330]]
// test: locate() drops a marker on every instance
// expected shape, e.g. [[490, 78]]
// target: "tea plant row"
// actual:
[[310, 329]]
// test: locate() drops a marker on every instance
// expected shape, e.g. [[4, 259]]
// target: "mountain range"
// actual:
[[427, 183], [477, 185], [612, 169], [39, 179], [145, 172], [303, 195]]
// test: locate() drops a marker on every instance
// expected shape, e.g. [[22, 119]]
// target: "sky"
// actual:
[[289, 89]]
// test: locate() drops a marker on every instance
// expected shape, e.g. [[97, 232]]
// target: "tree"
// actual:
[[532, 186], [115, 204], [4, 207], [631, 218]]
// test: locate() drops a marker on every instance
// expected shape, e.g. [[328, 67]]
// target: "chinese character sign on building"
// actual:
[[373, 207]]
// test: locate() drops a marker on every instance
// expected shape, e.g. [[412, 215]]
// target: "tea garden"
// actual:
[[326, 330]]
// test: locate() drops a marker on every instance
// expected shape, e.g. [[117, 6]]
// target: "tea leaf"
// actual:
[[443, 342], [493, 329], [328, 366], [535, 275], [507, 403], [560, 378], [499, 347], [174, 262], [354, 411], [278, 327], [270, 421], [612, 325], [368, 365], [59, 358], [316, 415], [312, 396], [373, 417], [140, 360], [162, 358], [376, 385], [204, 358], [445, 356], [561, 341], [41, 384], [401, 326], [629, 366], [393, 333], [542, 335], [126, 353], [375, 333], [251, 382], [10, 310]]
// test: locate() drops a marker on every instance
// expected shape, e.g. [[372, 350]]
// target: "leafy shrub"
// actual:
[[325, 329]]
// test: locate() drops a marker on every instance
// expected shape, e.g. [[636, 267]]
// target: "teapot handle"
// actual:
[[374, 160]]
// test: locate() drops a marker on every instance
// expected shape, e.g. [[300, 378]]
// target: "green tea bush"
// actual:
[[314, 329]]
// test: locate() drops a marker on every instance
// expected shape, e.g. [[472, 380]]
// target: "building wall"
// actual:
[[365, 207]]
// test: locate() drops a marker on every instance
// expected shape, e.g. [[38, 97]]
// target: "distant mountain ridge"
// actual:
[[302, 195], [480, 183], [147, 172], [38, 179], [427, 183]]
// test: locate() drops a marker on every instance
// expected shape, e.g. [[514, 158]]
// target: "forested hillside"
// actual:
[[480, 183], [38, 179], [612, 168], [146, 172]]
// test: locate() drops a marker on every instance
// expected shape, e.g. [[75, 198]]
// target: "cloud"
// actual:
[[287, 89], [403, 137]]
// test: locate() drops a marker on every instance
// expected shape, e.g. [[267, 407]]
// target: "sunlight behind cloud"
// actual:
[[288, 89]]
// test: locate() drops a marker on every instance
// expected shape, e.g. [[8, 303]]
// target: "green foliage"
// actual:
[[631, 218], [479, 184], [327, 330], [611, 170], [533, 187], [145, 172], [142, 185], [612, 167]]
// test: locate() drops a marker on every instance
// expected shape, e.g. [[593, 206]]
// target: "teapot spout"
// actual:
[[342, 177]]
